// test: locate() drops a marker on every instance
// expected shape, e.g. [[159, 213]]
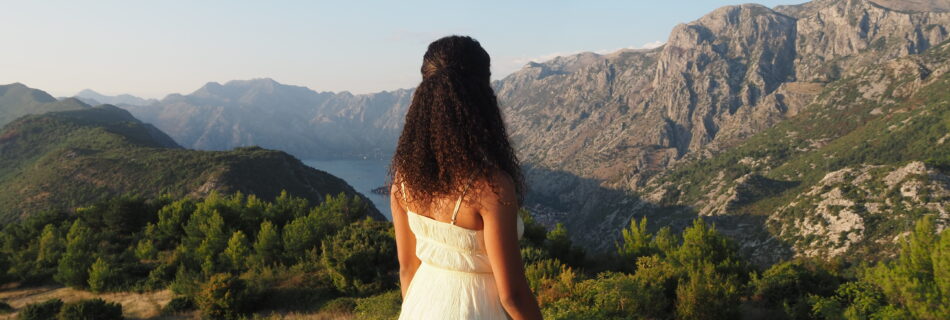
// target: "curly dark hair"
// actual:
[[454, 133]]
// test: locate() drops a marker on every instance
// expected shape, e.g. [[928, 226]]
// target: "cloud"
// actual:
[[515, 64]]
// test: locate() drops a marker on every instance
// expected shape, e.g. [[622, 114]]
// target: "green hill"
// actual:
[[67, 159], [17, 100]]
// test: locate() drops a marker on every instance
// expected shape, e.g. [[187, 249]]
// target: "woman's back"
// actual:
[[455, 277]]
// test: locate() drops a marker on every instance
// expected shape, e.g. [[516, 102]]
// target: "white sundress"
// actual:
[[455, 279]]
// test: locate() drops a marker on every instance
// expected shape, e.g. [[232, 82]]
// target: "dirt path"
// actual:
[[134, 305]]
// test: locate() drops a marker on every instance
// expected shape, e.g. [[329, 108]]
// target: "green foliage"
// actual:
[[224, 296], [912, 282], [383, 306], [560, 246], [41, 311], [708, 294], [637, 242], [101, 276], [267, 247], [179, 304], [77, 259], [788, 286], [50, 247], [237, 252], [361, 258], [92, 309]]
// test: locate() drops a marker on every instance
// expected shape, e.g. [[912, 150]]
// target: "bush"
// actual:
[[383, 306], [345, 305], [179, 305], [100, 276], [5, 308], [361, 258], [41, 311], [707, 294], [224, 296], [91, 309]]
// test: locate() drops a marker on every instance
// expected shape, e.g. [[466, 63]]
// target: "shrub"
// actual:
[[179, 305], [383, 306], [91, 309], [5, 308], [100, 276], [344, 305], [224, 296], [361, 258], [41, 311], [707, 294]]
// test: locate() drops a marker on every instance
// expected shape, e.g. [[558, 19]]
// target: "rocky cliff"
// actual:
[[597, 129]]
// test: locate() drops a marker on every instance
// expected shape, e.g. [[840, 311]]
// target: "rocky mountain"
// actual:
[[596, 130], [67, 159], [303, 122], [605, 138], [93, 98]]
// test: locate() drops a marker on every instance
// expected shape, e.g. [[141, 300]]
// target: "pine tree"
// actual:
[[267, 246], [50, 247], [100, 275], [637, 242], [73, 266], [238, 251]]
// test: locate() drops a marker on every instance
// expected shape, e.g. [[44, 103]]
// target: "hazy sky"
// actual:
[[153, 48]]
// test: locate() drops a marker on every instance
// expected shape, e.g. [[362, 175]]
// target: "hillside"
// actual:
[[596, 129], [66, 159], [311, 125], [17, 100], [599, 133]]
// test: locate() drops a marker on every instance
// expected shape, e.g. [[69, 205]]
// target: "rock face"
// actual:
[[832, 216], [308, 124], [597, 129]]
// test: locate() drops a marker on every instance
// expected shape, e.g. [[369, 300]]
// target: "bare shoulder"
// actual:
[[498, 189]]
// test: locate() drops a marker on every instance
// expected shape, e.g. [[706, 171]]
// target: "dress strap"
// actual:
[[458, 203]]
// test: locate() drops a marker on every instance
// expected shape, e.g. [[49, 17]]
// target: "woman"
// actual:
[[456, 190]]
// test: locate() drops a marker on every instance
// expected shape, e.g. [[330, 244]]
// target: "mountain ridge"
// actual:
[[60, 160]]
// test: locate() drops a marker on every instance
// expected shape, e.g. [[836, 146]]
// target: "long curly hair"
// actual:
[[454, 133]]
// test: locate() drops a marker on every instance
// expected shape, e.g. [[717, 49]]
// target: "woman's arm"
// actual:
[[499, 213], [405, 241]]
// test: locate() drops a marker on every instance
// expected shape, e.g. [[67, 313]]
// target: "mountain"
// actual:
[[303, 122], [91, 97], [602, 137], [597, 130], [17, 100], [67, 159]]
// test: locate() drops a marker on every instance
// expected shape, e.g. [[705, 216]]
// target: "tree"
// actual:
[[912, 282], [50, 247], [361, 258], [267, 246], [708, 294], [238, 251], [637, 242], [73, 266], [100, 275], [97, 309], [560, 246], [224, 296]]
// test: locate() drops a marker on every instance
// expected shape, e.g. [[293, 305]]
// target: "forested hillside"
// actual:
[[65, 159]]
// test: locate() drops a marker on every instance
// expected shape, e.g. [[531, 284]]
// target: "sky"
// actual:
[[154, 48]]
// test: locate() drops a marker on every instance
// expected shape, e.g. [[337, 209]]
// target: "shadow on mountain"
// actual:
[[595, 215]]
